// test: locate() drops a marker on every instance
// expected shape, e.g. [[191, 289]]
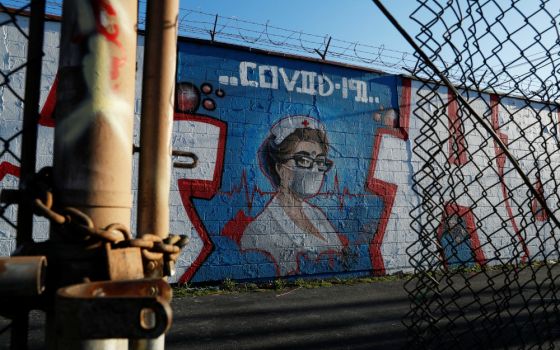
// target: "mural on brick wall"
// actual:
[[306, 168], [284, 149], [313, 166]]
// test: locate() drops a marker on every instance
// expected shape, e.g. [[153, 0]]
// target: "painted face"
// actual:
[[304, 171]]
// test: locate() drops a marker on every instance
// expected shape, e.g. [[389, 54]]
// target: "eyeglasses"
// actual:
[[306, 162]]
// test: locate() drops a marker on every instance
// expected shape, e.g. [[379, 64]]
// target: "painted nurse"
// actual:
[[294, 159]]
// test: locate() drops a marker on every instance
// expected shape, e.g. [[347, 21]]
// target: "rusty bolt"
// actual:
[[98, 292], [151, 265], [153, 290]]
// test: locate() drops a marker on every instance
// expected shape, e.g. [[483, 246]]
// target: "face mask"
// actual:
[[306, 182]]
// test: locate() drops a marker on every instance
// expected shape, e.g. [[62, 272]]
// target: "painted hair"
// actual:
[[271, 154]]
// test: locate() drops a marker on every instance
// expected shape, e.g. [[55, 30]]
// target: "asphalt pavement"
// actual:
[[362, 316], [496, 309]]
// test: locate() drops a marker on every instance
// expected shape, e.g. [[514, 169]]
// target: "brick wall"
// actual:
[[304, 168]]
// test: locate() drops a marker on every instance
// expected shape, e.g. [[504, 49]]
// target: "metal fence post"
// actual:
[[30, 116], [29, 145], [160, 52], [95, 109], [158, 89]]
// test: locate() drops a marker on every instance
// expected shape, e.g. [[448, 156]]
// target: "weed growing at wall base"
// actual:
[[228, 286]]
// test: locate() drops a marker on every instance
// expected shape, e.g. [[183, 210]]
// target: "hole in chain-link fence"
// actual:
[[486, 157]]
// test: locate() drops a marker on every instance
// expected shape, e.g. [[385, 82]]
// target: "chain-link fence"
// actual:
[[21, 64], [486, 159], [485, 138], [12, 85]]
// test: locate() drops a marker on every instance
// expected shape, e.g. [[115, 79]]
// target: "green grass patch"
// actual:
[[229, 286]]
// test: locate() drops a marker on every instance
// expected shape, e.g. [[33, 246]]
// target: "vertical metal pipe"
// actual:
[[95, 109], [95, 113], [20, 323], [158, 89], [30, 117]]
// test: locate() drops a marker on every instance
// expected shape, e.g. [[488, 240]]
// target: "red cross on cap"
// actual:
[[287, 125]]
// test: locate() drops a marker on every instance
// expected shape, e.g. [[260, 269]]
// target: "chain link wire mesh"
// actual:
[[487, 250], [22, 56], [12, 89], [486, 270]]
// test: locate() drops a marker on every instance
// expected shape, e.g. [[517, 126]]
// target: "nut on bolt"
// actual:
[[152, 265], [153, 291]]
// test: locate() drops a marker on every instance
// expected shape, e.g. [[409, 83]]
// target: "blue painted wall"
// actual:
[[251, 92]]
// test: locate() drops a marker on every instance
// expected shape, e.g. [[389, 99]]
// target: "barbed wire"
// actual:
[[204, 25], [264, 35], [512, 79]]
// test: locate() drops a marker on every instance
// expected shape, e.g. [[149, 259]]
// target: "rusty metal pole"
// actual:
[[95, 113], [158, 89], [95, 109]]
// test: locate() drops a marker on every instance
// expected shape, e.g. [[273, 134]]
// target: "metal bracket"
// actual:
[[134, 309], [22, 276]]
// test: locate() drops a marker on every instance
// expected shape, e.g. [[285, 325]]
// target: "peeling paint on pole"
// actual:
[[95, 109]]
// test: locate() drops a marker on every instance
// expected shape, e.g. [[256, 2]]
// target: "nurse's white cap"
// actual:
[[285, 126]]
